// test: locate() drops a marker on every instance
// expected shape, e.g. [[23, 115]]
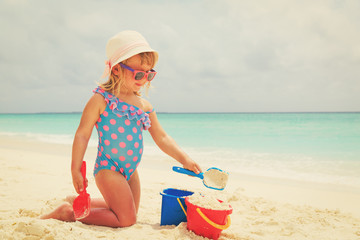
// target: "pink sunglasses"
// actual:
[[139, 75]]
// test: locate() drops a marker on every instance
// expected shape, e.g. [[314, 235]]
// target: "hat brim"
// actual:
[[135, 51]]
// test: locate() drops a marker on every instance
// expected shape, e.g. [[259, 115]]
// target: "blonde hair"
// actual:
[[116, 82]]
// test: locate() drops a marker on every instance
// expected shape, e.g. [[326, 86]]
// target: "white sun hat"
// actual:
[[124, 45]]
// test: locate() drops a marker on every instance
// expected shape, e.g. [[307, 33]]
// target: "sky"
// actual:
[[214, 56]]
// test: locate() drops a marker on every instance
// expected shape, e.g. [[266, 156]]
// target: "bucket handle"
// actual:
[[215, 225], [182, 207]]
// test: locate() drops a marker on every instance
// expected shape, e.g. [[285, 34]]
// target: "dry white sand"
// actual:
[[215, 178], [35, 178]]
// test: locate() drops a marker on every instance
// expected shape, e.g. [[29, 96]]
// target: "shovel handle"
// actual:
[[188, 172], [83, 173]]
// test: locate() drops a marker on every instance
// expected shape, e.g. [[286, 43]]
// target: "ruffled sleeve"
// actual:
[[122, 108], [152, 110]]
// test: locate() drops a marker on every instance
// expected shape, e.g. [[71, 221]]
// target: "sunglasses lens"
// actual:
[[139, 75], [150, 76]]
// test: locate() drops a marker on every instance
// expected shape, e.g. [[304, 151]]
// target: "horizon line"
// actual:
[[164, 112]]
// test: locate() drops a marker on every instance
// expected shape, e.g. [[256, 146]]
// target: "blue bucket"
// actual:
[[173, 207]]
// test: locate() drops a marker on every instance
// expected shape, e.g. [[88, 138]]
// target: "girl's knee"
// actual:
[[127, 220]]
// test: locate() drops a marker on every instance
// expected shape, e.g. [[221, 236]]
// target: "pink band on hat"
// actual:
[[109, 63]]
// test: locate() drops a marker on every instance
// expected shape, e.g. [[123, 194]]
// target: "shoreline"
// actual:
[[35, 178], [260, 112]]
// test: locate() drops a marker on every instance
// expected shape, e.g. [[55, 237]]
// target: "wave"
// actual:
[[298, 167]]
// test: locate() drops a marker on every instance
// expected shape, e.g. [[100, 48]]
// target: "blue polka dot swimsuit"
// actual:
[[120, 129]]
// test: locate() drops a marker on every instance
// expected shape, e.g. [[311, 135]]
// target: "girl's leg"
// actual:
[[100, 213], [134, 184], [121, 211]]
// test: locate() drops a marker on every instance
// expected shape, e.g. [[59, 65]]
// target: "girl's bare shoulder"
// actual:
[[146, 105], [97, 101]]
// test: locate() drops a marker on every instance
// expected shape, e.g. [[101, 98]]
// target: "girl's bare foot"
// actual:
[[64, 213]]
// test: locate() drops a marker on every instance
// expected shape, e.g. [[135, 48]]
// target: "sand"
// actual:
[[35, 178], [208, 202], [215, 178]]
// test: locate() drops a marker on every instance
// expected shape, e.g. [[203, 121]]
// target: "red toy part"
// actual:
[[81, 204]]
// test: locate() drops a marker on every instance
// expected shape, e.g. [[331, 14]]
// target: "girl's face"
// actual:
[[135, 63]]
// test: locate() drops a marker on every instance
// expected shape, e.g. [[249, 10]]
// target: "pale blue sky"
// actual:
[[215, 56]]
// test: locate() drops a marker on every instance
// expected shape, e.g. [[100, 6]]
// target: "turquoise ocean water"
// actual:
[[318, 147]]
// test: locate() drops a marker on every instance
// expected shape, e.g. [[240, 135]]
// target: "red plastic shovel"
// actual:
[[81, 204]]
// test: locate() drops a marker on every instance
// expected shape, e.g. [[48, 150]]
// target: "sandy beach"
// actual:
[[35, 178]]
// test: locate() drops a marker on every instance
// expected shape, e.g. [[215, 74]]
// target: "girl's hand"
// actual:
[[78, 182], [191, 165]]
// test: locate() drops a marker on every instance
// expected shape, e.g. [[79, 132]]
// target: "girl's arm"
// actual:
[[169, 146], [91, 114]]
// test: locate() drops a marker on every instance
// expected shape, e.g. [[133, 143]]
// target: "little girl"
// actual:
[[119, 115]]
